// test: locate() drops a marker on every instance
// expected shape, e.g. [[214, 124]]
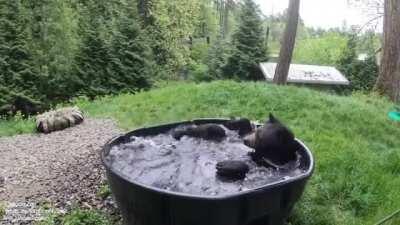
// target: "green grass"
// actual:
[[77, 217], [357, 176], [2, 210], [104, 191], [16, 125]]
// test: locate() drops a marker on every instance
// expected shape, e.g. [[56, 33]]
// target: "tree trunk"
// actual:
[[226, 20], [224, 17], [144, 9], [287, 45], [388, 82]]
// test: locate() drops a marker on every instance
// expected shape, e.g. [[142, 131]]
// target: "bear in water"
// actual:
[[242, 125], [274, 144], [232, 170], [209, 131]]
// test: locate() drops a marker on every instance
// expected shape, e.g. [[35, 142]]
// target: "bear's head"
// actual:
[[273, 140]]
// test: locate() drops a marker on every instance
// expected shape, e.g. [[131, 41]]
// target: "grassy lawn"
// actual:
[[357, 176]]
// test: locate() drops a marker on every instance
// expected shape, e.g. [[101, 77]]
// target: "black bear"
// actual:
[[232, 170], [205, 131], [274, 143], [242, 125]]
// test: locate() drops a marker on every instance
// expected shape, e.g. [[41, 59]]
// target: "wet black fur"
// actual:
[[206, 131], [232, 170], [242, 125], [273, 141]]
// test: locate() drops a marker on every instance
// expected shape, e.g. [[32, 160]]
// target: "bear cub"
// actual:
[[242, 125], [274, 144], [232, 170], [210, 131]]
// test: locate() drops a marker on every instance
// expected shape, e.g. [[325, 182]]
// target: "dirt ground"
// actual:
[[61, 168]]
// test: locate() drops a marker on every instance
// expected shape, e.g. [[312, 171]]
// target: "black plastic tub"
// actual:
[[144, 205]]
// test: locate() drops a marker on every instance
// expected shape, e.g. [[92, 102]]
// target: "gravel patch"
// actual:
[[61, 168]]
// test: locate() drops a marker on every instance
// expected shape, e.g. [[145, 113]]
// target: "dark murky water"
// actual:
[[188, 165]]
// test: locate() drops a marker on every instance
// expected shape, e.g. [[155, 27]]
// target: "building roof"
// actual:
[[307, 74]]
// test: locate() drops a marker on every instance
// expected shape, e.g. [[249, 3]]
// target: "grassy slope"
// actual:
[[356, 147]]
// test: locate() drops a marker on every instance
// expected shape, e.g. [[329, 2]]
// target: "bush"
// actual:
[[199, 52], [324, 50], [198, 72]]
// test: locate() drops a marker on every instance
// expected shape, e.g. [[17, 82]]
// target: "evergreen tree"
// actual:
[[20, 86], [52, 50], [173, 23], [131, 56], [92, 66], [53, 43], [92, 73], [362, 74], [248, 45], [113, 57], [217, 58]]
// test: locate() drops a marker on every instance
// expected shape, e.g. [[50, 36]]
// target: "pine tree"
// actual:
[[92, 66], [93, 60], [53, 42], [362, 74], [20, 85], [348, 56], [131, 57], [248, 45], [217, 58]]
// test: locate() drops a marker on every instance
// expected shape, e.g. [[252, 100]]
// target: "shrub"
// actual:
[[199, 52], [324, 50], [199, 73]]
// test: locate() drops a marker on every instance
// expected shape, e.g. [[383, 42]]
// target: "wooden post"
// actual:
[[287, 45]]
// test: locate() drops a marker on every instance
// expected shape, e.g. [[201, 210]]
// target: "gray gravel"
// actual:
[[61, 168]]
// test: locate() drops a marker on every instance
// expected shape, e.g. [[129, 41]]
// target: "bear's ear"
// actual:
[[272, 118]]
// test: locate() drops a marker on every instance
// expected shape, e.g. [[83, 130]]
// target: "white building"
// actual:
[[307, 74]]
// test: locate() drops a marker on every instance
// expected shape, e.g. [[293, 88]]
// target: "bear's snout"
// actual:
[[250, 140]]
